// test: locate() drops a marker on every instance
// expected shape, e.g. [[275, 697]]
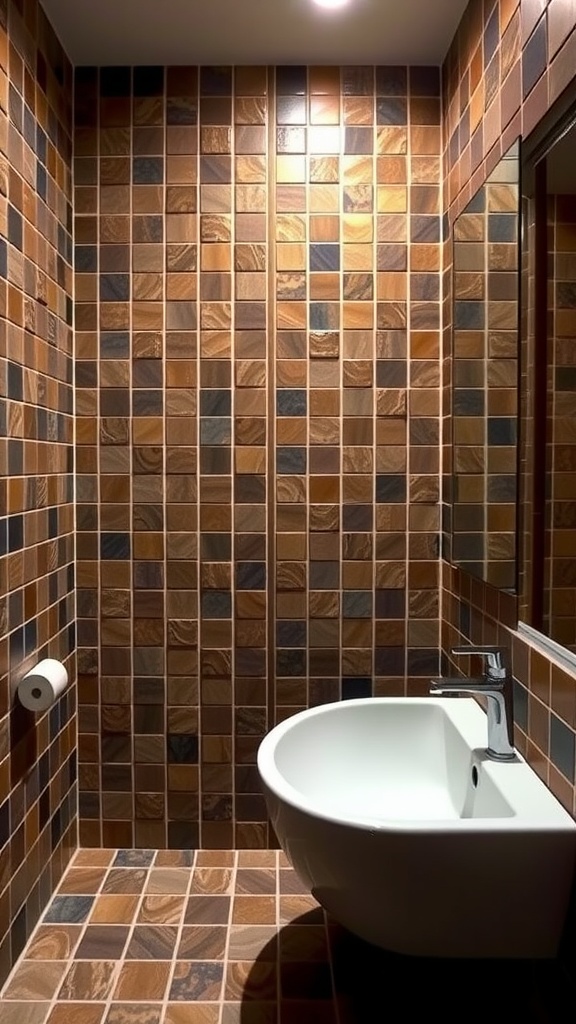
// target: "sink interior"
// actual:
[[404, 760]]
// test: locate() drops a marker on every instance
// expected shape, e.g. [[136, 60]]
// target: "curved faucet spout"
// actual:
[[498, 692]]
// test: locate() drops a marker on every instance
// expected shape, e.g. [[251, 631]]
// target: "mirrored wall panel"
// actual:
[[485, 317], [549, 591]]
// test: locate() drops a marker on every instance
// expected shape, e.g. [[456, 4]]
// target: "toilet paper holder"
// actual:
[[41, 687]]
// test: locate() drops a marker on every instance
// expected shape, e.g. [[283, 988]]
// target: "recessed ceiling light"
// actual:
[[331, 3]]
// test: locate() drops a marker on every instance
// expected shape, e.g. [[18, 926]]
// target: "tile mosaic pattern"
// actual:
[[257, 313], [219, 937], [508, 63], [37, 753]]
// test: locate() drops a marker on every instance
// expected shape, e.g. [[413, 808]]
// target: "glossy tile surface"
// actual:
[[245, 944]]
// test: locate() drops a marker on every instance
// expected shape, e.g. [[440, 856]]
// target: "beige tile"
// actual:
[[142, 980], [192, 1013], [168, 880], [35, 979], [212, 880], [254, 910], [88, 980], [53, 942], [79, 1013], [253, 941], [116, 909], [162, 909]]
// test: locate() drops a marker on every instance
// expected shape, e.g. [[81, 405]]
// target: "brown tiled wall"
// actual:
[[37, 753], [257, 255], [507, 65]]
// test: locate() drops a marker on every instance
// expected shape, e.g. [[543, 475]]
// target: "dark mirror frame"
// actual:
[[485, 378], [544, 587]]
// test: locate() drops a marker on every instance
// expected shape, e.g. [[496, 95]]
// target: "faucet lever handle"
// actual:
[[494, 657]]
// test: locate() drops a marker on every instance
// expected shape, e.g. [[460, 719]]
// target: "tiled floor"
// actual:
[[232, 937]]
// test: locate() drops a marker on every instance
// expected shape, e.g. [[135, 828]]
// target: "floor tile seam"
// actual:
[[277, 950], [119, 963], [228, 934], [335, 1000], [166, 1000]]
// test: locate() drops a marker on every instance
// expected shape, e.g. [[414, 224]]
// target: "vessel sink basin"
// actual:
[[392, 813]]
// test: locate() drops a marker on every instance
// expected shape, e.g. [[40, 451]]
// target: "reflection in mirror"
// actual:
[[549, 591], [485, 378]]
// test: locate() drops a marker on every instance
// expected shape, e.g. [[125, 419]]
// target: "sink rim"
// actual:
[[534, 806]]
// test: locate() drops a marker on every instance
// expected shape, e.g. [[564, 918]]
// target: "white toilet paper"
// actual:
[[40, 687]]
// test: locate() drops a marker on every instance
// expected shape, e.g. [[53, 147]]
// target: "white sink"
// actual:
[[393, 815]]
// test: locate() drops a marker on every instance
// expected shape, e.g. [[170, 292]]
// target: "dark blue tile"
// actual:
[[491, 36], [291, 633], [114, 344], [251, 576], [134, 858], [15, 227], [86, 259], [148, 170], [216, 604], [390, 487], [562, 747], [291, 402], [357, 604], [501, 430], [502, 227], [215, 430], [391, 110], [41, 181], [324, 316], [424, 228], [468, 401], [353, 687], [534, 57], [69, 909], [469, 316], [114, 287], [324, 256], [15, 533], [215, 402], [182, 749], [290, 662], [290, 460], [115, 546]]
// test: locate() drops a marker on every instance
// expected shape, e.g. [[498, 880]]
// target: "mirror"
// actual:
[[549, 387], [485, 318]]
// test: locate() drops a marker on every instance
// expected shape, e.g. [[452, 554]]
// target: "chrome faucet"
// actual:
[[496, 686]]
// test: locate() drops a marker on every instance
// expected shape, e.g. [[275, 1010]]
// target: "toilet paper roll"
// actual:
[[41, 687]]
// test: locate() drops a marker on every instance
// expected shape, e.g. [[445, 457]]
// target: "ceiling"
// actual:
[[109, 32]]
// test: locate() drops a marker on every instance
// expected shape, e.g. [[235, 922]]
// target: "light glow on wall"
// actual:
[[331, 4]]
